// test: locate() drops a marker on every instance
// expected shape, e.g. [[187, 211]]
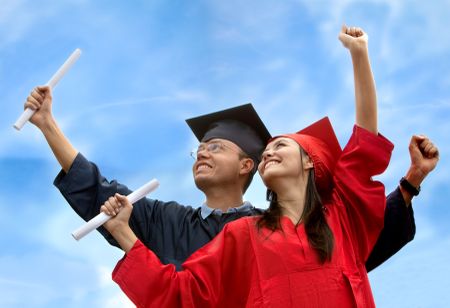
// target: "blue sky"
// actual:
[[148, 65]]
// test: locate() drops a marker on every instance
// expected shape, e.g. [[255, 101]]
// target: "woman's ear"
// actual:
[[307, 162], [247, 165]]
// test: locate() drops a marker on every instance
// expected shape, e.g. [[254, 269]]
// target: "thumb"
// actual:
[[416, 140], [414, 143], [44, 89], [122, 199], [415, 148], [419, 137], [343, 36]]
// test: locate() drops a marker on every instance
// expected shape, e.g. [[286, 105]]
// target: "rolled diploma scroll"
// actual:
[[28, 113], [101, 218]]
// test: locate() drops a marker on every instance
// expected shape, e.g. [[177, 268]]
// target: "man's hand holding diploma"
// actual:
[[28, 113]]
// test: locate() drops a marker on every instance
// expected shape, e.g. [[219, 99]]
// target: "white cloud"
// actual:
[[403, 31], [16, 19], [42, 276], [250, 21], [275, 65]]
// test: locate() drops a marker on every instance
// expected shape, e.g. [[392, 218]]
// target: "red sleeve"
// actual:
[[207, 276], [364, 156]]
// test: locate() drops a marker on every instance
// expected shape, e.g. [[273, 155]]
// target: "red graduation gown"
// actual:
[[244, 267]]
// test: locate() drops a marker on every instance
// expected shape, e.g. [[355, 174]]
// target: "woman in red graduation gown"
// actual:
[[308, 249]]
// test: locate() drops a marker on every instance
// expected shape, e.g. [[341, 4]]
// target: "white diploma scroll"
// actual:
[[101, 218], [28, 113]]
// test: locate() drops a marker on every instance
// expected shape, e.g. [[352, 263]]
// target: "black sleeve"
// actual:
[[85, 189], [399, 229]]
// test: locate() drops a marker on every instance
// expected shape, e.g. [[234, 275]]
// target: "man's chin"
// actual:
[[202, 181]]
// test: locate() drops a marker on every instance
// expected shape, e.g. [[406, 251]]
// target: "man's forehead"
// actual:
[[224, 141]]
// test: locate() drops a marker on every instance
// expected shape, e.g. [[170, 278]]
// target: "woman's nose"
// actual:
[[268, 153]]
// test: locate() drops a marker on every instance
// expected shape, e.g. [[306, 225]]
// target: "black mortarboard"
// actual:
[[240, 125]]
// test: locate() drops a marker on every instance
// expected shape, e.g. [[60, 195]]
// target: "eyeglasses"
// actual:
[[211, 147]]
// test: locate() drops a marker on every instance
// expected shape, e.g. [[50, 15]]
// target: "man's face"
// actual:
[[217, 164]]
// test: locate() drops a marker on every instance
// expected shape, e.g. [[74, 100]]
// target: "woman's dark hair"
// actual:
[[317, 230]]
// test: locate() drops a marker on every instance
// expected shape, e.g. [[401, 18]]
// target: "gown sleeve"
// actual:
[[364, 156], [206, 279], [86, 190], [399, 229]]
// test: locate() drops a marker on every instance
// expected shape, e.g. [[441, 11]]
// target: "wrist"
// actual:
[[415, 176], [359, 50], [119, 230], [48, 125], [410, 188], [124, 236]]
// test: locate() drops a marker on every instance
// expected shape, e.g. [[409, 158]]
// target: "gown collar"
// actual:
[[206, 210]]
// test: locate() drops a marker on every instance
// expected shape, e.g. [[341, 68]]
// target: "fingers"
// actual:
[[428, 149], [424, 144], [37, 97], [434, 153], [105, 210], [114, 204], [34, 100], [32, 103], [353, 38], [122, 199], [354, 31], [111, 207]]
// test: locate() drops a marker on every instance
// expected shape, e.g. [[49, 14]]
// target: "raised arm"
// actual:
[[40, 99], [424, 158], [399, 226], [356, 41]]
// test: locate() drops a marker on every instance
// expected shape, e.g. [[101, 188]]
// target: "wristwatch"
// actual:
[[409, 187]]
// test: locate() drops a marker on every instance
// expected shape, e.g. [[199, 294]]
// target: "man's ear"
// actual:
[[247, 165]]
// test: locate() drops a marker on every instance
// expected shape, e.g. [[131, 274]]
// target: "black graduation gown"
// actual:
[[399, 229], [174, 231], [171, 230]]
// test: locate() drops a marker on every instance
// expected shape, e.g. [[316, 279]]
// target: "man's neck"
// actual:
[[223, 200]]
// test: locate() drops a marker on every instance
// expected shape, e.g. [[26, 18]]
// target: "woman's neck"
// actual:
[[292, 209], [291, 199]]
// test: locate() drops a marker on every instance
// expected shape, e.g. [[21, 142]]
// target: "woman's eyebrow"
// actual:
[[275, 143]]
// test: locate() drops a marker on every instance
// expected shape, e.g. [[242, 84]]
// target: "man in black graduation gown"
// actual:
[[231, 143]]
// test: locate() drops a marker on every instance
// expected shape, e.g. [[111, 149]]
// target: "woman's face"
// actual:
[[282, 159]]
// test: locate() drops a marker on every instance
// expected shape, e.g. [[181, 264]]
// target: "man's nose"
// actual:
[[202, 153]]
